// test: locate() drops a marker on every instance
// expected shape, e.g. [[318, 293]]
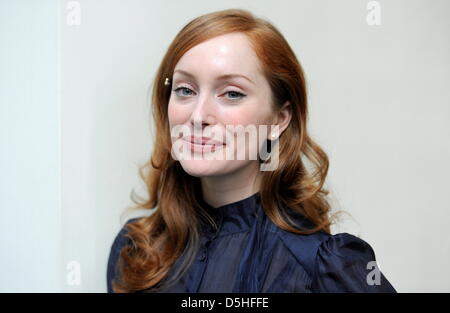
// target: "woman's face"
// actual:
[[204, 102]]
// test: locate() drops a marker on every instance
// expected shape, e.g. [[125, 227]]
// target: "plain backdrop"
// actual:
[[75, 126]]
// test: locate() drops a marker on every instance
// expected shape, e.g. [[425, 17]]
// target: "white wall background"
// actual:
[[30, 208], [379, 105]]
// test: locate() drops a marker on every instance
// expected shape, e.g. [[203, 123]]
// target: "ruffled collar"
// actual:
[[233, 217]]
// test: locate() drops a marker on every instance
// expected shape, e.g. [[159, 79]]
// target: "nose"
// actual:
[[203, 113]]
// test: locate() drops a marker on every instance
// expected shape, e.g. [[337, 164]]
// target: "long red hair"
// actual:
[[173, 228]]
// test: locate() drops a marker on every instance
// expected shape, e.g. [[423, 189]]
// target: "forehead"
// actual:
[[222, 54]]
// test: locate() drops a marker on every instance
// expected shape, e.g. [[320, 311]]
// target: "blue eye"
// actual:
[[183, 89], [186, 92], [238, 95]]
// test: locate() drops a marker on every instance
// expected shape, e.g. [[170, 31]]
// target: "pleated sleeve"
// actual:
[[346, 263]]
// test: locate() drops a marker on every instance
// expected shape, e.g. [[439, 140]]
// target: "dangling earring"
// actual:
[[268, 146]]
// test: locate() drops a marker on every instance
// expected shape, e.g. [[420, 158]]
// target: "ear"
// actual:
[[283, 117]]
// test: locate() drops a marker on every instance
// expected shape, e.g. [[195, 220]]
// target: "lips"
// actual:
[[203, 141]]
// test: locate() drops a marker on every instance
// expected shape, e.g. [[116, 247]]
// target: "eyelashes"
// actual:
[[180, 92], [177, 91]]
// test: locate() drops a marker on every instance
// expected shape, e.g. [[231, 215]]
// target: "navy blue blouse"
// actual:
[[251, 254]]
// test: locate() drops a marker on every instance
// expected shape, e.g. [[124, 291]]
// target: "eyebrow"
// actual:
[[221, 77]]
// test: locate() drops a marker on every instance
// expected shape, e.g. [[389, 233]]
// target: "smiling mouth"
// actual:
[[198, 147]]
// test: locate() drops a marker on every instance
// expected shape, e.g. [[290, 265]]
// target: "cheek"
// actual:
[[245, 116], [177, 114]]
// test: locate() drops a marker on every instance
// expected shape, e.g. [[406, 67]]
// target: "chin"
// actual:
[[203, 168]]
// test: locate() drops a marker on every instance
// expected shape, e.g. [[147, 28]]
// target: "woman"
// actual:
[[230, 224]]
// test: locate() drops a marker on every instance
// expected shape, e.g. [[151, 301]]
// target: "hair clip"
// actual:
[[167, 81]]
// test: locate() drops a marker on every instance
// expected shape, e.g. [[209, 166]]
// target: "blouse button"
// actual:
[[202, 255]]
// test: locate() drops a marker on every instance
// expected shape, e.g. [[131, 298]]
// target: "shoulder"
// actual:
[[121, 238], [118, 243], [337, 263], [347, 263], [303, 247], [345, 245], [321, 246], [343, 250], [311, 248]]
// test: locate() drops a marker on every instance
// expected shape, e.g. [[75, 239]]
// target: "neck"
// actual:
[[235, 186]]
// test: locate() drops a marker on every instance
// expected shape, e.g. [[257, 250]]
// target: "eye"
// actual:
[[183, 90], [235, 95]]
